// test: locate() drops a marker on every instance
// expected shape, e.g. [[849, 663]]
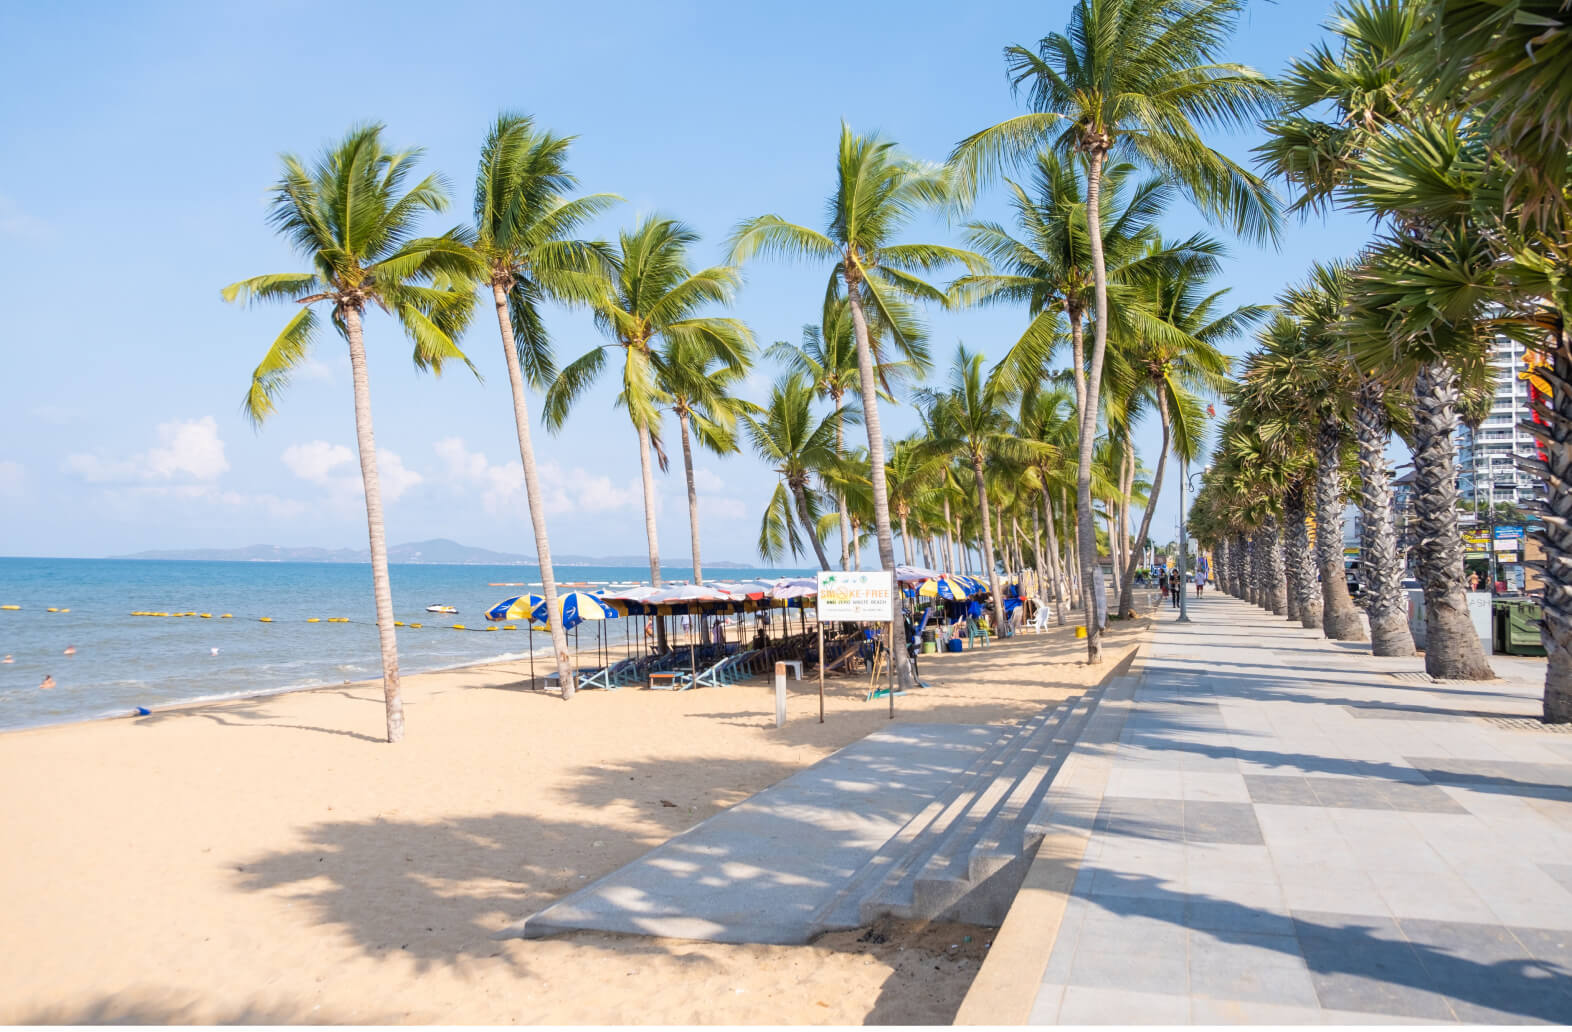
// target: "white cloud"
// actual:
[[316, 460], [333, 466], [713, 499], [13, 477], [188, 450], [562, 490]]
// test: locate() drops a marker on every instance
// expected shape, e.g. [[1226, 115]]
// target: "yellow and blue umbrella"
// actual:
[[519, 607], [943, 586], [574, 607]]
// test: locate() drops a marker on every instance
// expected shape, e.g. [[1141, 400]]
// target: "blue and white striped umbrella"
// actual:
[[574, 607]]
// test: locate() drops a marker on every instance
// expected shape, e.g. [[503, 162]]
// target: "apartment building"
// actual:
[[1485, 467]]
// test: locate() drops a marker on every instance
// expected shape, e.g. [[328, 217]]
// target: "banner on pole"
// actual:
[[865, 596]]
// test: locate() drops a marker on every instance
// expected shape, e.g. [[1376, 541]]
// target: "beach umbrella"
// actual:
[[913, 574], [530, 608], [574, 607], [943, 586]]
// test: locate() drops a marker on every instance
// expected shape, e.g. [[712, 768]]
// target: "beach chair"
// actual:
[[610, 678]]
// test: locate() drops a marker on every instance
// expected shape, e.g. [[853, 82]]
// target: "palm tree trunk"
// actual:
[[537, 506], [1056, 574], [949, 544], [1388, 609], [870, 416], [1290, 574], [906, 541], [1127, 598], [1452, 648], [1277, 582], [649, 503], [1247, 570], [808, 526], [840, 497], [1339, 619], [987, 544], [693, 497], [1094, 375], [381, 587], [1555, 473], [1298, 548]]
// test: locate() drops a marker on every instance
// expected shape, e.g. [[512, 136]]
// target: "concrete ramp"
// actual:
[[763, 870]]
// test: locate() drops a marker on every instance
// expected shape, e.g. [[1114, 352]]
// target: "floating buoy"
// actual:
[[265, 619], [226, 616], [490, 628], [417, 625], [10, 607], [52, 609], [206, 616], [398, 623], [67, 610], [312, 619], [460, 627], [509, 627]]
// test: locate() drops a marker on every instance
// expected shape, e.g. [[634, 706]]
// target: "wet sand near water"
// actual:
[[273, 861]]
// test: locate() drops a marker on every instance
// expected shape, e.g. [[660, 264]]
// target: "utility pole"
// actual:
[[1184, 609]]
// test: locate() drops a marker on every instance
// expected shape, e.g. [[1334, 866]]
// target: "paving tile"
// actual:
[[1243, 966], [1115, 883], [1430, 895], [1086, 1005], [1552, 946], [1148, 784], [1206, 1011], [1221, 822], [1282, 789], [1228, 915], [1045, 1008], [1214, 786], [1562, 873], [1143, 973]]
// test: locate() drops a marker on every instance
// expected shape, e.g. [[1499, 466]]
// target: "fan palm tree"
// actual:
[[701, 389], [799, 446], [651, 302], [353, 215], [524, 239], [878, 192], [1131, 78]]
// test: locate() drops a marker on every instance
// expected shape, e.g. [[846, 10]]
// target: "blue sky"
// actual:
[[139, 141]]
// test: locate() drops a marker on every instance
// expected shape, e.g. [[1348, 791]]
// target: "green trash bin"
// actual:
[[1520, 618]]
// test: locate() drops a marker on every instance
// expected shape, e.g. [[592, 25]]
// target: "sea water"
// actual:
[[122, 662]]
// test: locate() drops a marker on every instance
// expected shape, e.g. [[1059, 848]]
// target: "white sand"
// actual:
[[273, 861]]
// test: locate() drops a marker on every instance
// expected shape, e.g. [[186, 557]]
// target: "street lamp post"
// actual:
[[1184, 480]]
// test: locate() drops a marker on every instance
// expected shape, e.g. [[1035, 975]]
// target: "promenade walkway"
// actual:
[[1284, 829]]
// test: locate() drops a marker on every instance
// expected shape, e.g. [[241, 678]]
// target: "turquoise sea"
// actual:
[[123, 662]]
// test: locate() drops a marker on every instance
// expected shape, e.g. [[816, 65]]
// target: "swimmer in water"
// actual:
[[7, 659], [70, 650], [47, 683], [214, 651]]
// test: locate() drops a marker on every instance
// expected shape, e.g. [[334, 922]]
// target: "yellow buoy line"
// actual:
[[269, 619]]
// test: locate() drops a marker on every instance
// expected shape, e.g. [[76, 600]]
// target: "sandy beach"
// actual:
[[273, 861]]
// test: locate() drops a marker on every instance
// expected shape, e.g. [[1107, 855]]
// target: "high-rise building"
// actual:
[[1485, 467]]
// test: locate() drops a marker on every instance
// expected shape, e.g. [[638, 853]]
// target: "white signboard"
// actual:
[[866, 596]]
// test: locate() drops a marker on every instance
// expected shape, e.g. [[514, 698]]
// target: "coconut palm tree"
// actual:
[[353, 215], [651, 303], [828, 357], [1131, 79], [1173, 359], [525, 240], [799, 446], [1046, 416], [701, 392], [878, 192]]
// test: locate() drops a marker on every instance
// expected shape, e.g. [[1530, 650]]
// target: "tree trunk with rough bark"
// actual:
[[800, 496], [987, 545], [840, 498], [537, 506], [1555, 473], [1126, 598], [381, 587], [1246, 571], [1452, 648], [1387, 607], [1056, 574], [1290, 577], [1298, 549], [1277, 583], [1339, 619], [693, 498]]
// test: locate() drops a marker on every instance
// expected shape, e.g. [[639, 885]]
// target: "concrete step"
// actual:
[[842, 911], [948, 876], [897, 893]]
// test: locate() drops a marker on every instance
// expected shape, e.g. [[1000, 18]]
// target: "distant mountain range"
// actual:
[[437, 550]]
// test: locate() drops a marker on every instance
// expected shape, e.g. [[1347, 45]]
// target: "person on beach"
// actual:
[[1200, 581], [47, 683]]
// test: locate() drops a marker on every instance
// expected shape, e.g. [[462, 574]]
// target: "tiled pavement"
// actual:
[[1290, 834]]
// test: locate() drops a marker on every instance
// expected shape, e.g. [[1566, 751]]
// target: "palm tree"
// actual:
[[971, 420], [700, 388], [352, 215], [524, 239], [1131, 77], [877, 193], [798, 446], [653, 299], [1043, 418], [828, 357]]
